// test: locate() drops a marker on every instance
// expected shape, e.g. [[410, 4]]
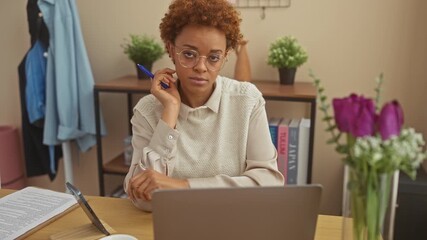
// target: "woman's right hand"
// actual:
[[169, 97]]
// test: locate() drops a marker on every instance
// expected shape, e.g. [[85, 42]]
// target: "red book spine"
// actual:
[[282, 147]]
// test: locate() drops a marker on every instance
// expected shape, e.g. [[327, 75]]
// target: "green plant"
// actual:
[[286, 52], [143, 49]]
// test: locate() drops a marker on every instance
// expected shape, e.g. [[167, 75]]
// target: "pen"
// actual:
[[164, 85]]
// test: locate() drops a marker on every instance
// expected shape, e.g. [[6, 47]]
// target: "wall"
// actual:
[[349, 44], [416, 100]]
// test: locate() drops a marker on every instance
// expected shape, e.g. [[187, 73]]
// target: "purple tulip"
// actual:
[[390, 120], [342, 116], [364, 124], [355, 115]]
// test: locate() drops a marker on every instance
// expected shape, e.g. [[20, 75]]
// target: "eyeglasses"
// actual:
[[189, 58]]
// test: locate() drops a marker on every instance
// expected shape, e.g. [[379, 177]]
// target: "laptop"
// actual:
[[255, 213]]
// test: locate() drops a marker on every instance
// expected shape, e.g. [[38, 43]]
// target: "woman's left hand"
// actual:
[[143, 185]]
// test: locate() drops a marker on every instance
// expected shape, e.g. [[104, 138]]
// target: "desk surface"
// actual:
[[123, 217]]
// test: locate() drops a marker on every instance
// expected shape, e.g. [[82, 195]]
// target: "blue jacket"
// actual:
[[69, 81], [35, 70]]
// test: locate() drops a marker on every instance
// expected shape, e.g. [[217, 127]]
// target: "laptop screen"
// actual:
[[288, 212]]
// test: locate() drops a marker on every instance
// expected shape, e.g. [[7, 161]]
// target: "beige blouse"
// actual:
[[225, 143]]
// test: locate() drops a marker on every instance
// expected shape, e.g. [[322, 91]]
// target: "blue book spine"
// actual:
[[273, 124]]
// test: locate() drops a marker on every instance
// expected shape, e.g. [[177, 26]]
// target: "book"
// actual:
[[292, 151], [273, 124], [282, 147], [303, 148], [30, 208]]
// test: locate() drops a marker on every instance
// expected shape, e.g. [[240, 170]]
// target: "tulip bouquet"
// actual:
[[375, 144]]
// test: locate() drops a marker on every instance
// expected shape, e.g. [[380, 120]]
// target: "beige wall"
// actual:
[[349, 44]]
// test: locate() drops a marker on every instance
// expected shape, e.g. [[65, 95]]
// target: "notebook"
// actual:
[[287, 212]]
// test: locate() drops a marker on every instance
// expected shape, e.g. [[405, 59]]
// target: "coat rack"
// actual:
[[262, 4]]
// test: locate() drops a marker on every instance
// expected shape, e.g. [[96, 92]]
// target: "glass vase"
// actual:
[[369, 203]]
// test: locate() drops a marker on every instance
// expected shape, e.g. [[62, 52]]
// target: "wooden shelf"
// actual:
[[303, 91], [271, 90], [129, 83], [116, 166]]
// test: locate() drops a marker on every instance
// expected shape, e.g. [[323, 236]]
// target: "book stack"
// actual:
[[291, 139]]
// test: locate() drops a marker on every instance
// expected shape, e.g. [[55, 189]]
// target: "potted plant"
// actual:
[[144, 50], [287, 55]]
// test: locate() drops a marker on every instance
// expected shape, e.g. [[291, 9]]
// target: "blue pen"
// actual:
[[164, 85]]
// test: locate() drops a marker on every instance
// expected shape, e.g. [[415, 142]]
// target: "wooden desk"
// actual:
[[123, 217]]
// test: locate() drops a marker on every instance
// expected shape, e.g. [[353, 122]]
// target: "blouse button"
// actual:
[[170, 137]]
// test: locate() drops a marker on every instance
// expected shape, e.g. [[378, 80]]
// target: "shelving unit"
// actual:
[[299, 92]]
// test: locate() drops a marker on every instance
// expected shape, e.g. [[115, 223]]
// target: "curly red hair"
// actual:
[[219, 14]]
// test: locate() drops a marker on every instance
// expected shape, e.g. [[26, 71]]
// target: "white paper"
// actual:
[[23, 210]]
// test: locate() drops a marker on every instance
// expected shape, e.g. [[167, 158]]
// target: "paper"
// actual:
[[24, 210]]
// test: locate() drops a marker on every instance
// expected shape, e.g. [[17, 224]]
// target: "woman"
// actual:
[[205, 130]]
